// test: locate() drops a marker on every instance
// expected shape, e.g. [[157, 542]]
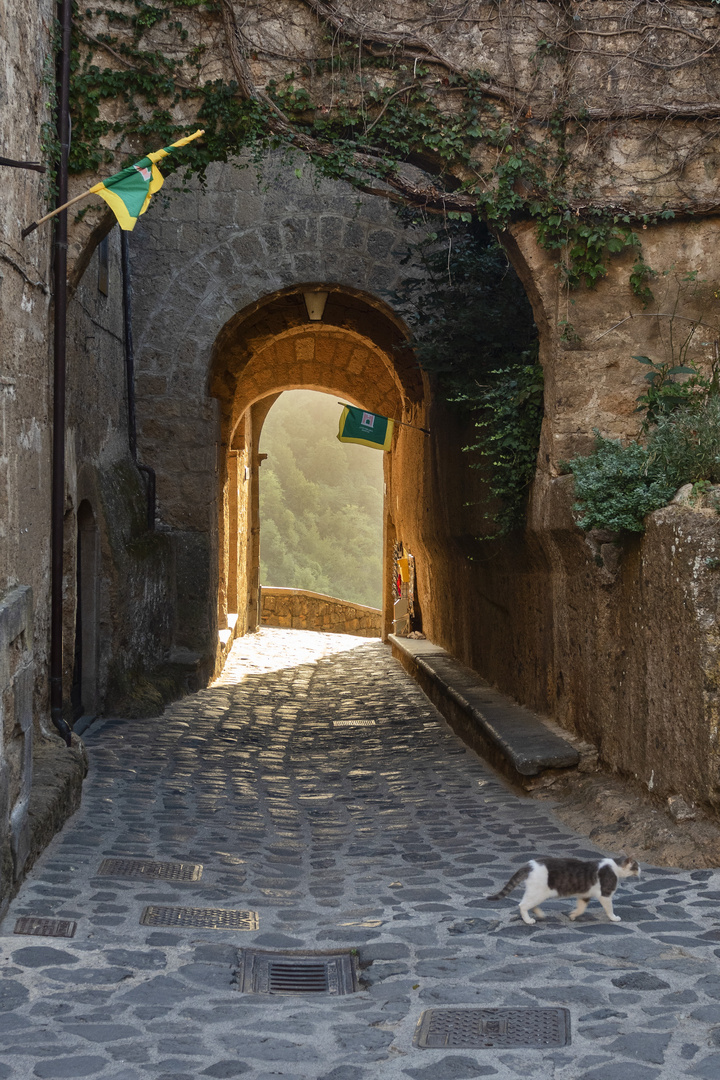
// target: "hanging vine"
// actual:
[[386, 96]]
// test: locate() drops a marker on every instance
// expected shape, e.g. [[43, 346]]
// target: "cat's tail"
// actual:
[[515, 880]]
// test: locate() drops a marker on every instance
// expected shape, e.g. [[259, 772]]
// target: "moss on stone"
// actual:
[[139, 694]]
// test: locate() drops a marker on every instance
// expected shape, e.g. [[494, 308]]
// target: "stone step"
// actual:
[[514, 739]]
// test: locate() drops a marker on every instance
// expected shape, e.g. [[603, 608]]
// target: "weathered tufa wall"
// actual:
[[304, 610], [25, 457], [127, 571], [16, 725], [614, 637]]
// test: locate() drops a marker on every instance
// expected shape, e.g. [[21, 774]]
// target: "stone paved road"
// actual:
[[384, 838]]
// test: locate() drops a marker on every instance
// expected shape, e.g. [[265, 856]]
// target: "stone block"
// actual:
[[16, 702], [380, 243]]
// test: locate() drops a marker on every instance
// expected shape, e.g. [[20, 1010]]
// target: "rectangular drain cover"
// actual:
[[45, 927], [146, 868], [263, 972], [354, 723], [209, 918], [497, 1028]]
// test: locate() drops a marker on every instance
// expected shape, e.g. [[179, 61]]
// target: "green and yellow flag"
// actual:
[[366, 428], [128, 193]]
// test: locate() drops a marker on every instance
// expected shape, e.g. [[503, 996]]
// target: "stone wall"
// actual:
[[303, 610], [25, 447], [25, 307], [16, 724], [613, 637], [202, 263], [127, 571]]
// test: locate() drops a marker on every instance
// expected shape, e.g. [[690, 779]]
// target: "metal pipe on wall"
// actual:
[[59, 358], [130, 377]]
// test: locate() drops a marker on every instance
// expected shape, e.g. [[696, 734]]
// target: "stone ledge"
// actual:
[[58, 773], [510, 737]]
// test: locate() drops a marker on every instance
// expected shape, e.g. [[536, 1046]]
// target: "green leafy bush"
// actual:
[[617, 486], [685, 445]]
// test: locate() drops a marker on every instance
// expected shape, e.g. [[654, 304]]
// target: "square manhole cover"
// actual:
[[45, 927], [147, 869], [496, 1028], [263, 972], [207, 918], [354, 723]]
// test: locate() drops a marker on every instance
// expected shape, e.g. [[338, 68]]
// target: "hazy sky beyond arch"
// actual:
[[321, 502]]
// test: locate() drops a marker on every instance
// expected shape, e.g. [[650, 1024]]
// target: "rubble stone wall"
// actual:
[[303, 610]]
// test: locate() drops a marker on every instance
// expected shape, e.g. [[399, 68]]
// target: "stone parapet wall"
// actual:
[[304, 610]]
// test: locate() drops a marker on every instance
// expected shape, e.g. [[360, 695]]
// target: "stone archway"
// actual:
[[358, 350]]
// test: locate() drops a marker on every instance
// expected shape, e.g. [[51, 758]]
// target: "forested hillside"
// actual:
[[320, 503]]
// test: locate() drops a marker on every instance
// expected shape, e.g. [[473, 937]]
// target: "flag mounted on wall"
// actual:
[[128, 192], [366, 428]]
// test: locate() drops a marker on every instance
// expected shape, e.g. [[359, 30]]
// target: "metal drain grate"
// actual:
[[496, 1028], [296, 973], [209, 918], [146, 868], [45, 927], [354, 723]]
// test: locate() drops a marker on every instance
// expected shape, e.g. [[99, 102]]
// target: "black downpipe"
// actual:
[[130, 376], [60, 326]]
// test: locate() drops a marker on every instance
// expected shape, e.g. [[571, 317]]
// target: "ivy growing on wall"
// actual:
[[379, 101], [363, 101], [474, 331]]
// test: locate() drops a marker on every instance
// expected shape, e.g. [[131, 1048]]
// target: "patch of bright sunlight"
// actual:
[[275, 649]]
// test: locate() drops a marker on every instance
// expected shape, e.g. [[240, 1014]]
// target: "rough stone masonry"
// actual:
[[385, 839]]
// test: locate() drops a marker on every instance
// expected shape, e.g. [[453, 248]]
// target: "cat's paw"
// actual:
[[614, 918], [528, 919], [573, 915]]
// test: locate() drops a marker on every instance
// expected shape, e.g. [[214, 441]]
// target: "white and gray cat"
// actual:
[[547, 878]]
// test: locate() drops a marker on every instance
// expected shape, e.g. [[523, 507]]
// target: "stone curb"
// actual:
[[512, 738]]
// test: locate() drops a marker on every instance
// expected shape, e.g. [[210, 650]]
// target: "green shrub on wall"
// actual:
[[618, 485]]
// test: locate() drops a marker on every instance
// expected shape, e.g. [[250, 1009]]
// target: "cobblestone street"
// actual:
[[385, 838]]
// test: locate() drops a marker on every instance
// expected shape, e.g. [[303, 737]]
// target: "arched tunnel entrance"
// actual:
[[358, 349]]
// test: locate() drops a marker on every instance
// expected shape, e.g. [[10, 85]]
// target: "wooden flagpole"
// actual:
[[33, 226]]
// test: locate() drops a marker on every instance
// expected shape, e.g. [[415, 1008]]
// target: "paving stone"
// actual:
[[451, 1068], [77, 1065], [162, 990], [344, 1072], [94, 976], [640, 1045], [222, 1070], [396, 865], [43, 956], [12, 994], [269, 1049], [623, 1070], [640, 980], [708, 1068], [102, 1033], [708, 1014], [135, 958]]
